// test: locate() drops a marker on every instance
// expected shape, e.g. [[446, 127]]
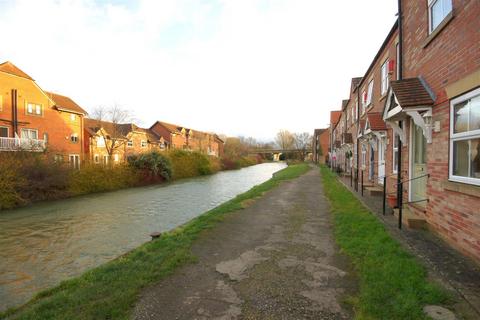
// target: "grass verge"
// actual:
[[111, 290], [393, 285]]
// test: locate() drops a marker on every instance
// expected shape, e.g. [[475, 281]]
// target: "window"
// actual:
[[397, 47], [34, 109], [384, 77], [58, 158], [105, 159], [465, 138], [3, 132], [395, 153], [162, 145], [74, 161], [364, 101], [96, 159], [29, 134], [369, 93], [1, 103], [364, 156], [356, 109], [116, 158], [73, 117], [437, 11], [74, 137], [143, 144], [101, 142], [130, 143]]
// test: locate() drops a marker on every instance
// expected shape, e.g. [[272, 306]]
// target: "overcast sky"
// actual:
[[238, 67]]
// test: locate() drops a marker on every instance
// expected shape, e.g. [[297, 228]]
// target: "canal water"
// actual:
[[49, 242]]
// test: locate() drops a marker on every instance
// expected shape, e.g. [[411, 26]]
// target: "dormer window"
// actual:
[[438, 10]]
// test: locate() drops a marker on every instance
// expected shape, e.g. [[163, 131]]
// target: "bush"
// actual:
[[94, 178], [153, 165], [229, 163], [11, 182], [186, 164]]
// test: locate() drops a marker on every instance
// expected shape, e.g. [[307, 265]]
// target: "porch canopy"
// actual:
[[409, 98], [374, 127]]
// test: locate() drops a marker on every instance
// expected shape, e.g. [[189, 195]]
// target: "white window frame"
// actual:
[[369, 94], [364, 102], [29, 130], [101, 142], [72, 164], [33, 109], [394, 152], [76, 136], [474, 134], [143, 144], [431, 3], [73, 117], [384, 77]]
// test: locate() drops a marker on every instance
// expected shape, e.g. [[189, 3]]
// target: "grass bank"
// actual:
[[393, 285], [111, 290]]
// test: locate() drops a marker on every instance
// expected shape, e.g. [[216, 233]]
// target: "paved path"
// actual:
[[273, 260]]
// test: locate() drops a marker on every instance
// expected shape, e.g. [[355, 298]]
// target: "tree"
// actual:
[[303, 142], [110, 120], [284, 139]]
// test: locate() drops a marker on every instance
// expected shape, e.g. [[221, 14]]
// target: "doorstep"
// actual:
[[410, 219]]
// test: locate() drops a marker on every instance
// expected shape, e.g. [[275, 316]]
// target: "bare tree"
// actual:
[[302, 142], [284, 139], [109, 121]]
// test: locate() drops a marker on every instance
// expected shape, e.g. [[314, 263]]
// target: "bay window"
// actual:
[[437, 11], [465, 138]]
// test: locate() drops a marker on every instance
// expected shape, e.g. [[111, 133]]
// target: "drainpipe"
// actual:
[[399, 76], [14, 112]]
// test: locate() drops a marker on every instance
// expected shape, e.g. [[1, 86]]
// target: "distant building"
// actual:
[[320, 145]]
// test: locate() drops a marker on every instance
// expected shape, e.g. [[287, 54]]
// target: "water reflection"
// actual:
[[49, 242]]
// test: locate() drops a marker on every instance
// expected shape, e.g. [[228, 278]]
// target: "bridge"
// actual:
[[277, 153]]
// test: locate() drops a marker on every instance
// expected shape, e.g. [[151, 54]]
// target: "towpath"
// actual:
[[276, 259]]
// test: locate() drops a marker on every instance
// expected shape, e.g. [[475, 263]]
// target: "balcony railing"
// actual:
[[22, 144]]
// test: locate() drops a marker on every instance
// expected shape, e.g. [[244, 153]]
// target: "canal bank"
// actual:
[[176, 242]]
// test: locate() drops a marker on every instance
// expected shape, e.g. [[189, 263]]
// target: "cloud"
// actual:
[[241, 67]]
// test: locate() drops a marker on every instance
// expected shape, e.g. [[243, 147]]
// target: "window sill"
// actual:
[[438, 29], [469, 189]]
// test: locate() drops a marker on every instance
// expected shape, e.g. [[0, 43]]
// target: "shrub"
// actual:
[[153, 165], [94, 178], [187, 164], [229, 163], [10, 182]]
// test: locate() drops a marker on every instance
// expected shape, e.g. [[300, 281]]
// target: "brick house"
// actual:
[[320, 145], [419, 118], [32, 119], [106, 142], [334, 139], [179, 137], [434, 108]]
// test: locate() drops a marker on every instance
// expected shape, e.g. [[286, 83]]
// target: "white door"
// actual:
[[381, 159], [418, 165]]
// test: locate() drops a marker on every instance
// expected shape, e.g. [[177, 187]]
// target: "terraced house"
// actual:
[[109, 143], [179, 137], [419, 118], [35, 120]]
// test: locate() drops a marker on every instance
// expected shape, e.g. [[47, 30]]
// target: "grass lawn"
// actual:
[[111, 290], [393, 285]]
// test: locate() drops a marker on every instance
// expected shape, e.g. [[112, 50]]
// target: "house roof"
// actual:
[[411, 93], [345, 103], [65, 103], [318, 132], [376, 121], [173, 128], [118, 131], [335, 117], [355, 82], [10, 68]]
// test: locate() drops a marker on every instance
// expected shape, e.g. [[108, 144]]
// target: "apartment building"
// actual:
[[35, 120]]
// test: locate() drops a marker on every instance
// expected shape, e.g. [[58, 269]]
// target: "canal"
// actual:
[[42, 245]]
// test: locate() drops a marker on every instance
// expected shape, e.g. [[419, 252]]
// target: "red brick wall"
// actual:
[[56, 124], [450, 56]]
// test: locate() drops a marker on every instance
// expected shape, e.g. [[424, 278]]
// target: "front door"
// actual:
[[418, 164], [372, 163], [381, 159]]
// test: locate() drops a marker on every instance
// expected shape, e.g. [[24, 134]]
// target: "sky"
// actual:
[[234, 67]]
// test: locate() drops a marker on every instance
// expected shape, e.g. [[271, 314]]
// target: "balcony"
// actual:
[[22, 144]]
